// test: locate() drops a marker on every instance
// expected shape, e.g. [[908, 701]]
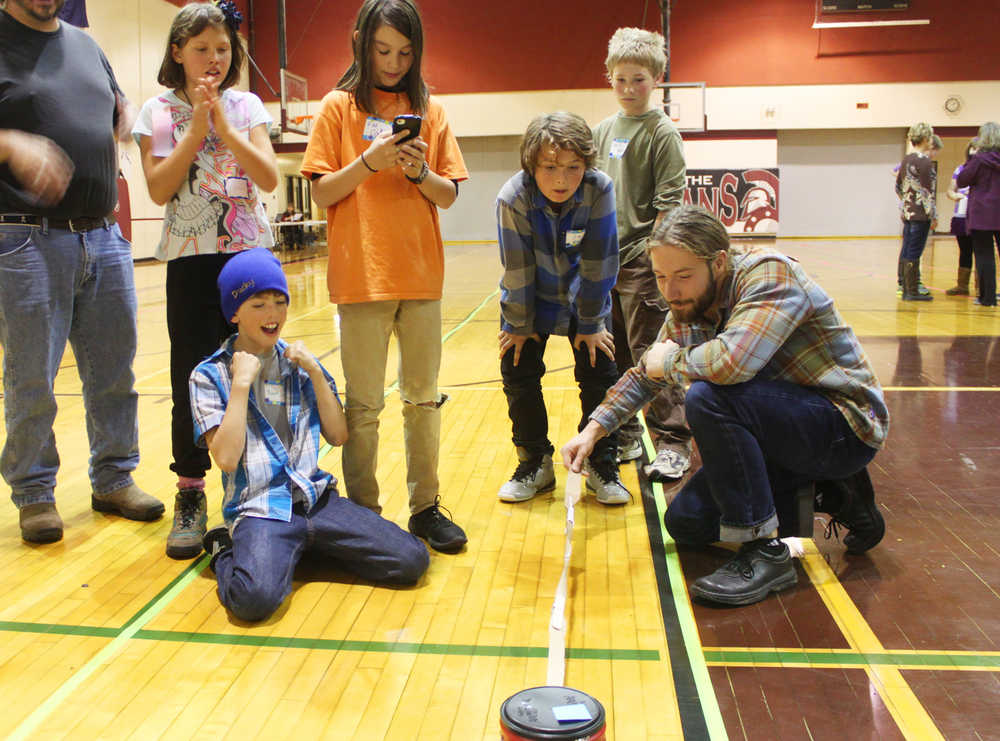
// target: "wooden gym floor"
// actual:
[[102, 636]]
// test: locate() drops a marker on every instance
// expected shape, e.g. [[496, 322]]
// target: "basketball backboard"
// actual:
[[687, 105], [295, 116]]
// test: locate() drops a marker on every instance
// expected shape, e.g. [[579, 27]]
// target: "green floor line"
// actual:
[[87, 631], [818, 657], [133, 626], [945, 660], [692, 642], [448, 649]]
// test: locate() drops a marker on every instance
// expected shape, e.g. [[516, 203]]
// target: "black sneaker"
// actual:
[[437, 529], [759, 568], [215, 542], [850, 502]]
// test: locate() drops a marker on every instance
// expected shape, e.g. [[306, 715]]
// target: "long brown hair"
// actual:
[[403, 16], [188, 23]]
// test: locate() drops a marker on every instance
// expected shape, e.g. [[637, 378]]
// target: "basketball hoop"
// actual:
[[304, 122], [295, 116]]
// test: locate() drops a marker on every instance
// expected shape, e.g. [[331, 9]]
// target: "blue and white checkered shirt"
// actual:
[[269, 477], [557, 265]]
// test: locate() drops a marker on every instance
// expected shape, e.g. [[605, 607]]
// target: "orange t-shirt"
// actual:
[[384, 238]]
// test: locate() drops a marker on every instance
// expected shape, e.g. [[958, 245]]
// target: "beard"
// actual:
[[28, 7], [694, 310]]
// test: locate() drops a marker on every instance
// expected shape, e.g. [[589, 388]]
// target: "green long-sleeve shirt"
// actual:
[[644, 156]]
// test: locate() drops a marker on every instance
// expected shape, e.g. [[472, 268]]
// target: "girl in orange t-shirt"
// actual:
[[386, 266]]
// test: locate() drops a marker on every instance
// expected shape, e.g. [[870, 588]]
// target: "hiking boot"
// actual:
[[758, 568], [669, 465], [850, 502], [630, 451], [190, 522], [533, 475], [602, 479], [437, 529], [215, 542], [40, 523], [130, 502]]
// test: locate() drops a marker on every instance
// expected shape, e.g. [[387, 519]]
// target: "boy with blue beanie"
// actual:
[[260, 406]]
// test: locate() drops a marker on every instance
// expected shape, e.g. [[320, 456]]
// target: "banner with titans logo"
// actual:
[[745, 201]]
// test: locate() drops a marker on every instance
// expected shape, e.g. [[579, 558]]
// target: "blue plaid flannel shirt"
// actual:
[[268, 475], [557, 265]]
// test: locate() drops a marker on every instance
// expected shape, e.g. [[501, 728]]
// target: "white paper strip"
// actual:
[[557, 622]]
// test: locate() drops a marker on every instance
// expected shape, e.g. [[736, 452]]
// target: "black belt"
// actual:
[[81, 224]]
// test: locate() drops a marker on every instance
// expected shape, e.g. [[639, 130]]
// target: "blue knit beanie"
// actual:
[[248, 273]]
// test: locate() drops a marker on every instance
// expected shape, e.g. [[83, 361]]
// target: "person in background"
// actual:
[[959, 229], [981, 174], [291, 236], [916, 186]]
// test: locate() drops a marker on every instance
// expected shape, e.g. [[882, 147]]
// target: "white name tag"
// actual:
[[618, 147], [272, 393], [574, 237], [374, 127], [237, 187]]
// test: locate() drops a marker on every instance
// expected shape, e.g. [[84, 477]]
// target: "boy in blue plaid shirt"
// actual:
[[559, 247], [260, 406]]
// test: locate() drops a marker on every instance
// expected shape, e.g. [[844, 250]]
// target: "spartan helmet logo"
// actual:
[[759, 207]]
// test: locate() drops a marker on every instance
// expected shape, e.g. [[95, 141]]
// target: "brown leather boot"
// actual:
[[911, 282], [40, 523], [130, 502], [962, 284]]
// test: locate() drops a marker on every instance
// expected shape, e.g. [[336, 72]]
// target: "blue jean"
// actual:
[[57, 285], [914, 239], [759, 442], [255, 577]]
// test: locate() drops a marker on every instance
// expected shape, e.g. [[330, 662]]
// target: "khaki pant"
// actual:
[[637, 313], [365, 329]]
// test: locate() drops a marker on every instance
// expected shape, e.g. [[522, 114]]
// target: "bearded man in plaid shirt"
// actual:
[[781, 395]]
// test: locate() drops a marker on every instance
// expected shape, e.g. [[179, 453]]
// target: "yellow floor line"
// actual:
[[910, 716]]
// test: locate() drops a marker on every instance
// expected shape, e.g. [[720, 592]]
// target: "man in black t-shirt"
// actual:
[[65, 269]]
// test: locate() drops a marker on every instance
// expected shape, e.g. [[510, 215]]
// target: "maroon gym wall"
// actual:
[[478, 46]]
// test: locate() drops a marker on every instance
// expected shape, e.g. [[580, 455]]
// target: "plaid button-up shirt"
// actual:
[[269, 476], [557, 264], [776, 323]]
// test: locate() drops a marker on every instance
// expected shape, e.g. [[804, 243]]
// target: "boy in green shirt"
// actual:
[[641, 150]]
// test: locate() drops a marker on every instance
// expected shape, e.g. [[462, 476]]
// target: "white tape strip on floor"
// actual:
[[557, 622]]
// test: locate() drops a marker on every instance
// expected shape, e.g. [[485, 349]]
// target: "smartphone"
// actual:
[[409, 123]]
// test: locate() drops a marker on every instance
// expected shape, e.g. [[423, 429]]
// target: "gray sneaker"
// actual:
[[190, 522], [533, 475], [668, 466], [630, 450], [603, 481]]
